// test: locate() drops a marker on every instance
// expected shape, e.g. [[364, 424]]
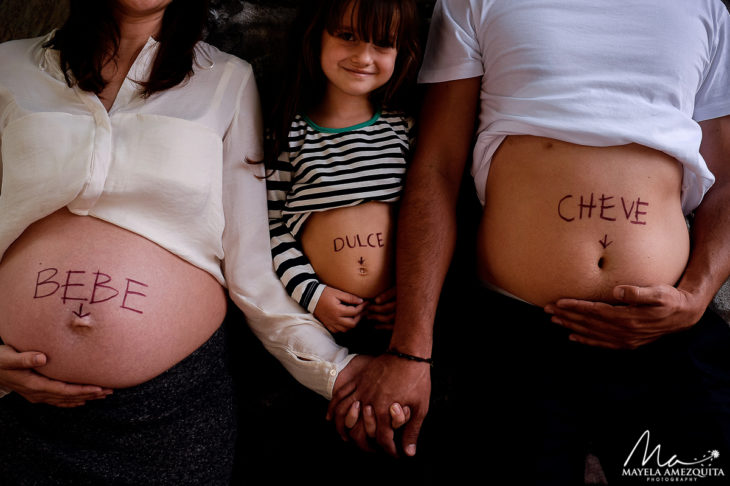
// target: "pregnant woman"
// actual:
[[126, 207]]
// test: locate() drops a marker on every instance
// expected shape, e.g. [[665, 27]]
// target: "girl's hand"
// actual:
[[383, 309], [339, 311], [17, 374]]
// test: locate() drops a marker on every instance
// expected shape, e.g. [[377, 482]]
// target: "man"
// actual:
[[598, 131]]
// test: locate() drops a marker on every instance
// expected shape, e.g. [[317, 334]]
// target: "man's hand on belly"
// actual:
[[644, 315], [382, 309], [17, 373]]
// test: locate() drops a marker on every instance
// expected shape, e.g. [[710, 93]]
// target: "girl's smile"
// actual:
[[359, 72]]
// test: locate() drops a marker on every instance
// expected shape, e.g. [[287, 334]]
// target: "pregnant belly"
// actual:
[[107, 306], [564, 220], [351, 248]]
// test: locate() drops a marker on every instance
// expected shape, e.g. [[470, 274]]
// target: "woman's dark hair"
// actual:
[[90, 37], [372, 20]]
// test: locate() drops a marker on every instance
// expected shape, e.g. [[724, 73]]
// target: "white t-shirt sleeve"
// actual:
[[713, 97], [452, 50]]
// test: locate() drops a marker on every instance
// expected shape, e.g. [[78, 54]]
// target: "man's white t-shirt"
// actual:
[[589, 72]]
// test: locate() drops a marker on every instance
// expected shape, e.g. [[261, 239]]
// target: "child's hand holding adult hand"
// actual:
[[339, 311]]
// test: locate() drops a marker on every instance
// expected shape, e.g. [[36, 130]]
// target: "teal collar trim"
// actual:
[[342, 130]]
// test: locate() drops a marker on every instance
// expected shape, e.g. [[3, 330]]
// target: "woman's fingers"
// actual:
[[10, 359], [399, 415], [353, 414], [369, 422]]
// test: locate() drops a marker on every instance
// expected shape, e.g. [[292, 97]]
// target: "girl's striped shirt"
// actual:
[[327, 168]]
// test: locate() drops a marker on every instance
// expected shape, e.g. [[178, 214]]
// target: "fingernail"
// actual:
[[550, 309], [572, 338], [356, 405], [395, 408], [410, 449], [620, 293], [368, 410], [557, 321], [38, 359]]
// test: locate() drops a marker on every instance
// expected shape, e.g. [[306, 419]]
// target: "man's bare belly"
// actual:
[[351, 249], [564, 220], [107, 306]]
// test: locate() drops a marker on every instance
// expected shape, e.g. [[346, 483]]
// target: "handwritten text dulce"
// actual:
[[371, 240]]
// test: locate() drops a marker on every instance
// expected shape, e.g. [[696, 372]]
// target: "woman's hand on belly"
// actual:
[[17, 373], [339, 311], [643, 315]]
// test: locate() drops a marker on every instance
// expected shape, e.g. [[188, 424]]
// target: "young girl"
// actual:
[[342, 148]]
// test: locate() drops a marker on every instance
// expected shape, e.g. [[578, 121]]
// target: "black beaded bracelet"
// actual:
[[397, 353]]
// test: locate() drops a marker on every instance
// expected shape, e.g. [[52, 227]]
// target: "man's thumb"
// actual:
[[410, 436]]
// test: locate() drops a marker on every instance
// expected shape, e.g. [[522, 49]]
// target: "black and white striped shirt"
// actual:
[[325, 169]]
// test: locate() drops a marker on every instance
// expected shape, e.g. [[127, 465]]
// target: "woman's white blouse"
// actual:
[[172, 168]]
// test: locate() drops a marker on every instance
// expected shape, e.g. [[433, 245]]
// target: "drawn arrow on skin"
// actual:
[[361, 260], [79, 313], [604, 242]]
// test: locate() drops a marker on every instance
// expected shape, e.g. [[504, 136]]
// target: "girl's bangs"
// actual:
[[377, 21]]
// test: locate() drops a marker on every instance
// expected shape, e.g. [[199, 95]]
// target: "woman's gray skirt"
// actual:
[[177, 429]]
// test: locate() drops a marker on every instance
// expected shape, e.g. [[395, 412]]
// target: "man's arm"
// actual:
[[655, 311], [709, 264], [425, 243]]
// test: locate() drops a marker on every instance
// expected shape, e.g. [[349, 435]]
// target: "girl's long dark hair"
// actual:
[[90, 37], [373, 20]]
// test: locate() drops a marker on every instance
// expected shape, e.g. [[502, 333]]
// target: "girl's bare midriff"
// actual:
[[564, 220], [107, 306], [351, 248]]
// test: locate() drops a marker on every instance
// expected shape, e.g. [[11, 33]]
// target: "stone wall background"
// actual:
[[30, 18]]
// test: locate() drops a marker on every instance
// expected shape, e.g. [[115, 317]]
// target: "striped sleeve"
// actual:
[[347, 167], [290, 263]]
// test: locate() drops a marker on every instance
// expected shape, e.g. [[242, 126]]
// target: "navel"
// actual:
[[81, 324]]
